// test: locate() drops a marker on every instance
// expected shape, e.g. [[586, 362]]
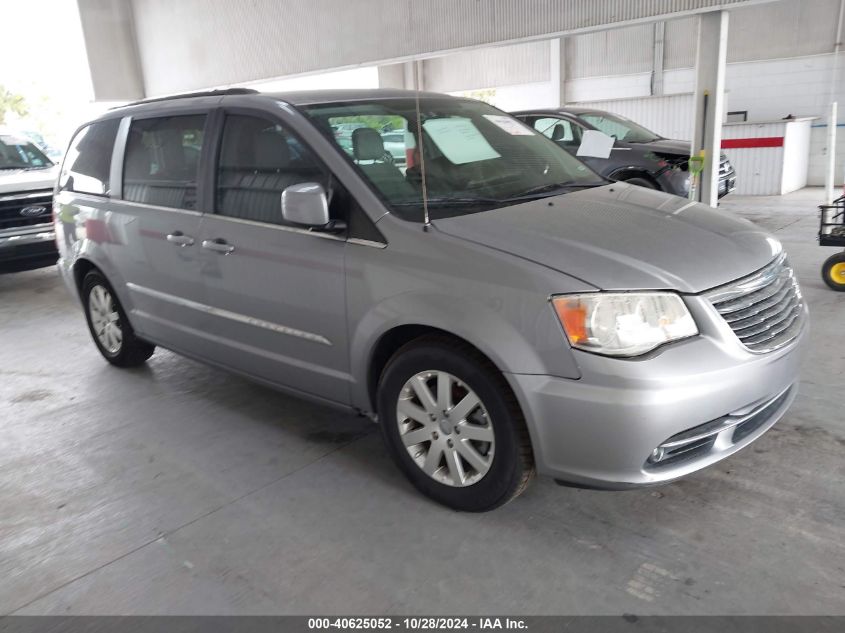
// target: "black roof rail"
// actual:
[[206, 93]]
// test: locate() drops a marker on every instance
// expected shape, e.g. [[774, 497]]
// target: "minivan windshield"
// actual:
[[19, 153], [474, 157], [619, 127]]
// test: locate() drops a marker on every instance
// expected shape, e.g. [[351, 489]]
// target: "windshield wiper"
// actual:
[[535, 193], [554, 189], [12, 167], [450, 201]]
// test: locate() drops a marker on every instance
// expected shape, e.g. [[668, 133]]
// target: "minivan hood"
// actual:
[[624, 237], [23, 180]]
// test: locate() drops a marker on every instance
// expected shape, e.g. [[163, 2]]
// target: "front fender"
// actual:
[[534, 344]]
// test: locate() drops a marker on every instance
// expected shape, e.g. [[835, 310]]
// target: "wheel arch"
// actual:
[[625, 173], [397, 337], [82, 267]]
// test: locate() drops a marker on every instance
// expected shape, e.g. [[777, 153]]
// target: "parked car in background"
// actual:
[[512, 312], [639, 156], [27, 177], [53, 153], [394, 144]]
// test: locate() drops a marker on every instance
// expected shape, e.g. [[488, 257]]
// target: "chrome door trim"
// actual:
[[277, 227], [226, 314], [156, 207], [362, 242]]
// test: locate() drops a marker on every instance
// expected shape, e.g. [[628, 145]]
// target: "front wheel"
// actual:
[[453, 425], [641, 182], [833, 272], [109, 327]]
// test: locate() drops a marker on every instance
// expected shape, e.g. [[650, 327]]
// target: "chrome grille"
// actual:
[[764, 309], [11, 208]]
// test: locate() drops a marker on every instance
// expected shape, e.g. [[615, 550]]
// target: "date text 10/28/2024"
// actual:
[[417, 623]]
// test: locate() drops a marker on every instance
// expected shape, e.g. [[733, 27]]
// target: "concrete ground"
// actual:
[[177, 488]]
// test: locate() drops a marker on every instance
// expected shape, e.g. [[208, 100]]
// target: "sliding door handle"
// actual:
[[177, 237], [218, 246]]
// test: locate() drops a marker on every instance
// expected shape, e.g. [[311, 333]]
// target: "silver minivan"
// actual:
[[494, 304]]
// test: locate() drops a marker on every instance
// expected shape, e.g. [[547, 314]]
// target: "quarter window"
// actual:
[[88, 160], [162, 161], [258, 160]]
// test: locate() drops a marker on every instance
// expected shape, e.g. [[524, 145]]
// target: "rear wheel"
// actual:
[[833, 272], [109, 327], [453, 425]]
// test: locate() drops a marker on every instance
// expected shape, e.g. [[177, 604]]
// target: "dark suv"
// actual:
[[639, 156], [27, 176]]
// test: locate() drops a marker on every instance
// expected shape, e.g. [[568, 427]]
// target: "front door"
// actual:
[[276, 292]]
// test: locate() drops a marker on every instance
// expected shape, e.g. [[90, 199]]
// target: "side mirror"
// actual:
[[305, 203]]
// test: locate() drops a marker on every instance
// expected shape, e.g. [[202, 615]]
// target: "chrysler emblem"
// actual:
[[32, 212]]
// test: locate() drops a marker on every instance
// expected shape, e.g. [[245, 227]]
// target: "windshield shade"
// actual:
[[474, 157], [19, 153], [619, 127]]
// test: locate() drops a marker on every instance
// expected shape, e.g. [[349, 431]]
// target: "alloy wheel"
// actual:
[[445, 428], [105, 319]]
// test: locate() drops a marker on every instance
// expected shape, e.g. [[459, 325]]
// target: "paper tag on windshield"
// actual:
[[459, 140], [509, 125], [595, 144]]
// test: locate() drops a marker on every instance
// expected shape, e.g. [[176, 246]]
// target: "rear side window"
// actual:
[[88, 159], [258, 160], [162, 160]]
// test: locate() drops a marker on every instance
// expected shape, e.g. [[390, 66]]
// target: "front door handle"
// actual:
[[177, 237], [218, 246]]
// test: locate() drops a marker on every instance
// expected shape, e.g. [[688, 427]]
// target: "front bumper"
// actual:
[[28, 247], [600, 430], [677, 182]]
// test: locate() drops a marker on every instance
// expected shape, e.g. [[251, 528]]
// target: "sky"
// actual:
[[42, 58]]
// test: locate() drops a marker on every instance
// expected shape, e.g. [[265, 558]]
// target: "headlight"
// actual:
[[623, 324]]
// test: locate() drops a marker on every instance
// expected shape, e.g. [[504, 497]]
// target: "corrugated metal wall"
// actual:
[[669, 116], [679, 43], [192, 43], [485, 67], [759, 171], [615, 52], [783, 29]]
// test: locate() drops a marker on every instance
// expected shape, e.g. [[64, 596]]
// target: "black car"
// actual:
[[639, 156]]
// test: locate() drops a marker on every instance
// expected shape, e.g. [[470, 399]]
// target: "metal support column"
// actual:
[[710, 100]]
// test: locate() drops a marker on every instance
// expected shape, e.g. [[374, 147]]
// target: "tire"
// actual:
[[486, 457], [641, 182], [833, 272], [109, 327]]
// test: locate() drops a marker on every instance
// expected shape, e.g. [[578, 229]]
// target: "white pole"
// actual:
[[831, 155], [831, 124], [710, 61]]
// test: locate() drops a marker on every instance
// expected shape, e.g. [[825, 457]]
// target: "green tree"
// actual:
[[11, 102]]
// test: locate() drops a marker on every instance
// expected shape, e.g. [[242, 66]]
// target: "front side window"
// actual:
[[87, 163], [619, 127], [559, 130], [162, 160], [474, 157], [258, 160]]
